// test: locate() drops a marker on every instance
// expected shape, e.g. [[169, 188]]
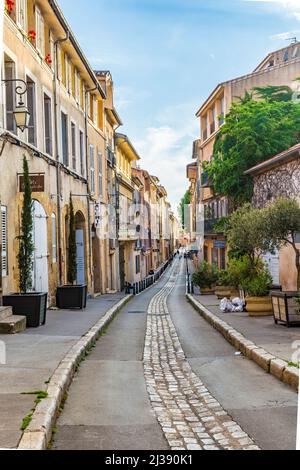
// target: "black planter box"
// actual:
[[71, 297], [285, 308], [32, 306]]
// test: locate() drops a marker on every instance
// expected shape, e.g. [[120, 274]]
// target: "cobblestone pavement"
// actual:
[[190, 417]]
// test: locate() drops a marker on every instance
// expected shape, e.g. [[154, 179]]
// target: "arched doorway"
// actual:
[[80, 245], [40, 239]]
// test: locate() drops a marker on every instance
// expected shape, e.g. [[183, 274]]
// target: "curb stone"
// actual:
[[271, 364], [38, 434]]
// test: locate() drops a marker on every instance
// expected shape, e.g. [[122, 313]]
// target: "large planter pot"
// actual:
[[71, 297], [285, 309], [33, 306], [207, 290], [259, 306], [224, 291]]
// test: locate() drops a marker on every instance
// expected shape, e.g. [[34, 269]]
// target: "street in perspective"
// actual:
[[150, 228]]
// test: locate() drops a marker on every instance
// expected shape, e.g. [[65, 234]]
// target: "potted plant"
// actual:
[[205, 277], [224, 285], [32, 36], [32, 305], [72, 296], [48, 59], [9, 6], [258, 299]]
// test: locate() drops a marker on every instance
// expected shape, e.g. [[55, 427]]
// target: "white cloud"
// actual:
[[287, 35], [165, 152], [292, 7]]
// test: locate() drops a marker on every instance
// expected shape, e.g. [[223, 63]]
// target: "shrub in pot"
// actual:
[[72, 296], [205, 277], [258, 299], [32, 305], [224, 285]]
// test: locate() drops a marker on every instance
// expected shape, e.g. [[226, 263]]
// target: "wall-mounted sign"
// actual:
[[219, 244], [37, 183]]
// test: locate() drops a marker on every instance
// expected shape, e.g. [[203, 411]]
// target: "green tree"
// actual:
[[185, 201], [274, 93], [283, 227], [253, 132], [246, 233], [72, 248], [26, 247]]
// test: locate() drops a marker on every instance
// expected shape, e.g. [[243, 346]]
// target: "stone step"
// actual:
[[5, 312], [12, 324]]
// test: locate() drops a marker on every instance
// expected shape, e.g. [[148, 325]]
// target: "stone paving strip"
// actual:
[[270, 363], [39, 432], [190, 417]]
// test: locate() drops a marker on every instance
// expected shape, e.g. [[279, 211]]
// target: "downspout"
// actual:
[[58, 180], [89, 196]]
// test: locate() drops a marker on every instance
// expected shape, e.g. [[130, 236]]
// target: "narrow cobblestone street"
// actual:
[[190, 416], [161, 391]]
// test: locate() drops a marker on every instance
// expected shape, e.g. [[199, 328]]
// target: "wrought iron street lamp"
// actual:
[[21, 113]]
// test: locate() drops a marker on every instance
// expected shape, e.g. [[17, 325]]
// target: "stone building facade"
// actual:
[[279, 177]]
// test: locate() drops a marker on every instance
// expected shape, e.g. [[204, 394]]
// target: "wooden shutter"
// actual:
[[100, 174], [4, 266], [10, 97]]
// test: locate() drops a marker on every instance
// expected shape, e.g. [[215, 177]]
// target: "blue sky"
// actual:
[[166, 56]]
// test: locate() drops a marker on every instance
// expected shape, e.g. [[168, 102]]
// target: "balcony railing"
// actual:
[[209, 225], [205, 181], [127, 233], [111, 158]]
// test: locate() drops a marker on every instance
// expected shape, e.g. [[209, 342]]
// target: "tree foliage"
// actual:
[[283, 226], [185, 201], [246, 233], [72, 248], [26, 247], [274, 93], [253, 132]]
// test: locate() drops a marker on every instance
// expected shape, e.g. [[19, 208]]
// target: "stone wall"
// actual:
[[281, 181]]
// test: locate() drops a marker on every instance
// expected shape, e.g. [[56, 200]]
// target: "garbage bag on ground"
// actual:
[[236, 305]]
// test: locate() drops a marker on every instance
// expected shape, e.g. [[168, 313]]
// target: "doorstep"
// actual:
[[259, 339]]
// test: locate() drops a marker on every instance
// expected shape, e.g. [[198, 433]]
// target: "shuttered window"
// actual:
[[65, 140], [40, 31], [4, 266], [31, 104], [10, 96], [73, 134], [92, 168], [53, 230], [81, 143], [21, 8], [48, 124], [100, 176]]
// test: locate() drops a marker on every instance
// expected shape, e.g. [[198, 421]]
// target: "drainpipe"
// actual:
[[58, 179], [89, 196]]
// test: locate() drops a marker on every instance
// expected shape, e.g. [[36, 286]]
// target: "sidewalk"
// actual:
[[277, 340], [33, 356], [269, 345]]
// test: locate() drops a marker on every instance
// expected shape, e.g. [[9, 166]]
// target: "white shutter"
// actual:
[[21, 14], [4, 241], [40, 31]]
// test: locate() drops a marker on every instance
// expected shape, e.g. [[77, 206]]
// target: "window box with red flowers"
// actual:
[[48, 60], [32, 36], [9, 6]]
